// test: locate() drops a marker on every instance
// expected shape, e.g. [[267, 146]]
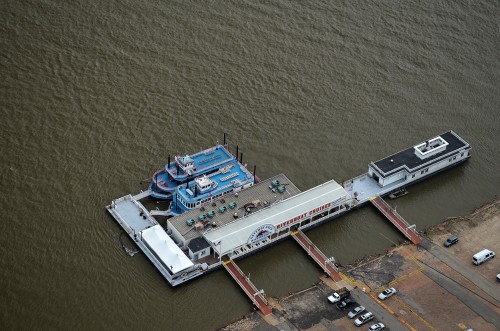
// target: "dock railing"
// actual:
[[384, 207], [324, 261], [255, 290]]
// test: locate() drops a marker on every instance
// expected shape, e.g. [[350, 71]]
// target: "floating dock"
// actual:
[[239, 223]]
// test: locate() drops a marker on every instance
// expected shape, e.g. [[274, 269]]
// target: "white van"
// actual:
[[482, 256]]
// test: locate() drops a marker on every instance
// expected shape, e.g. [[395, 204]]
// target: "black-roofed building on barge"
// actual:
[[419, 161]]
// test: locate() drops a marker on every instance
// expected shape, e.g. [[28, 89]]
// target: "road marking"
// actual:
[[405, 306], [354, 283], [403, 277], [393, 313]]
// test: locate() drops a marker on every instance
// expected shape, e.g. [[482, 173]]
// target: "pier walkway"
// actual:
[[396, 219], [142, 195], [255, 295], [317, 255]]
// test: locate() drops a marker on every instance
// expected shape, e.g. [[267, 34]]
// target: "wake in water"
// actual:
[[128, 251]]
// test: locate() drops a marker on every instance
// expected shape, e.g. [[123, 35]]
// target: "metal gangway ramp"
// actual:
[[255, 295], [317, 255], [396, 219]]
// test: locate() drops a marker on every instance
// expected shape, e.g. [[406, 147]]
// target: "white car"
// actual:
[[335, 297], [387, 293], [376, 327], [365, 318], [356, 311]]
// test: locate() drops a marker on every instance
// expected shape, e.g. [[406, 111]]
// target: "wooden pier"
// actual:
[[255, 295], [396, 219], [317, 255]]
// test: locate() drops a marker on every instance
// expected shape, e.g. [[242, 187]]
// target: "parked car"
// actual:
[[356, 311], [335, 297], [498, 278], [376, 327], [365, 318], [345, 303], [482, 256], [339, 295], [450, 241], [387, 293]]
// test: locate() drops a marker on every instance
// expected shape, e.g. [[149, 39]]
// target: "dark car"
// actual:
[[450, 241], [345, 303]]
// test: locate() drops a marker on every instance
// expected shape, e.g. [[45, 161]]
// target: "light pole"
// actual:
[[220, 251]]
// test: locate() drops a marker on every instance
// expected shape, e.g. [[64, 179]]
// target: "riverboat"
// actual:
[[186, 167], [398, 193]]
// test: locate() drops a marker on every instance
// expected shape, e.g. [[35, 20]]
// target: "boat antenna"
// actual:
[[254, 168]]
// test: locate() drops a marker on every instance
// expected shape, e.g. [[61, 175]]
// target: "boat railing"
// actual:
[[348, 184]]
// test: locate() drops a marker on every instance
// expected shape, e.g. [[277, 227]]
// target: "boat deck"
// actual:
[[204, 161], [260, 192], [364, 187], [131, 214], [236, 172], [168, 178]]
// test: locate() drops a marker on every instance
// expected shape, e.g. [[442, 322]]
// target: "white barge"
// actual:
[[196, 241]]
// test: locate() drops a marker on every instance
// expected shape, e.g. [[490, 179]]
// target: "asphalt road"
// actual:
[[381, 315], [472, 300], [490, 288]]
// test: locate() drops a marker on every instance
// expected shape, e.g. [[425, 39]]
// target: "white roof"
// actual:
[[236, 234], [166, 249]]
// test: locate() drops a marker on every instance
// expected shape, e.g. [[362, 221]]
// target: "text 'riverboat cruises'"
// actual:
[[241, 222]]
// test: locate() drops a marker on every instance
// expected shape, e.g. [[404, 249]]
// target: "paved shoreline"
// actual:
[[436, 285]]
